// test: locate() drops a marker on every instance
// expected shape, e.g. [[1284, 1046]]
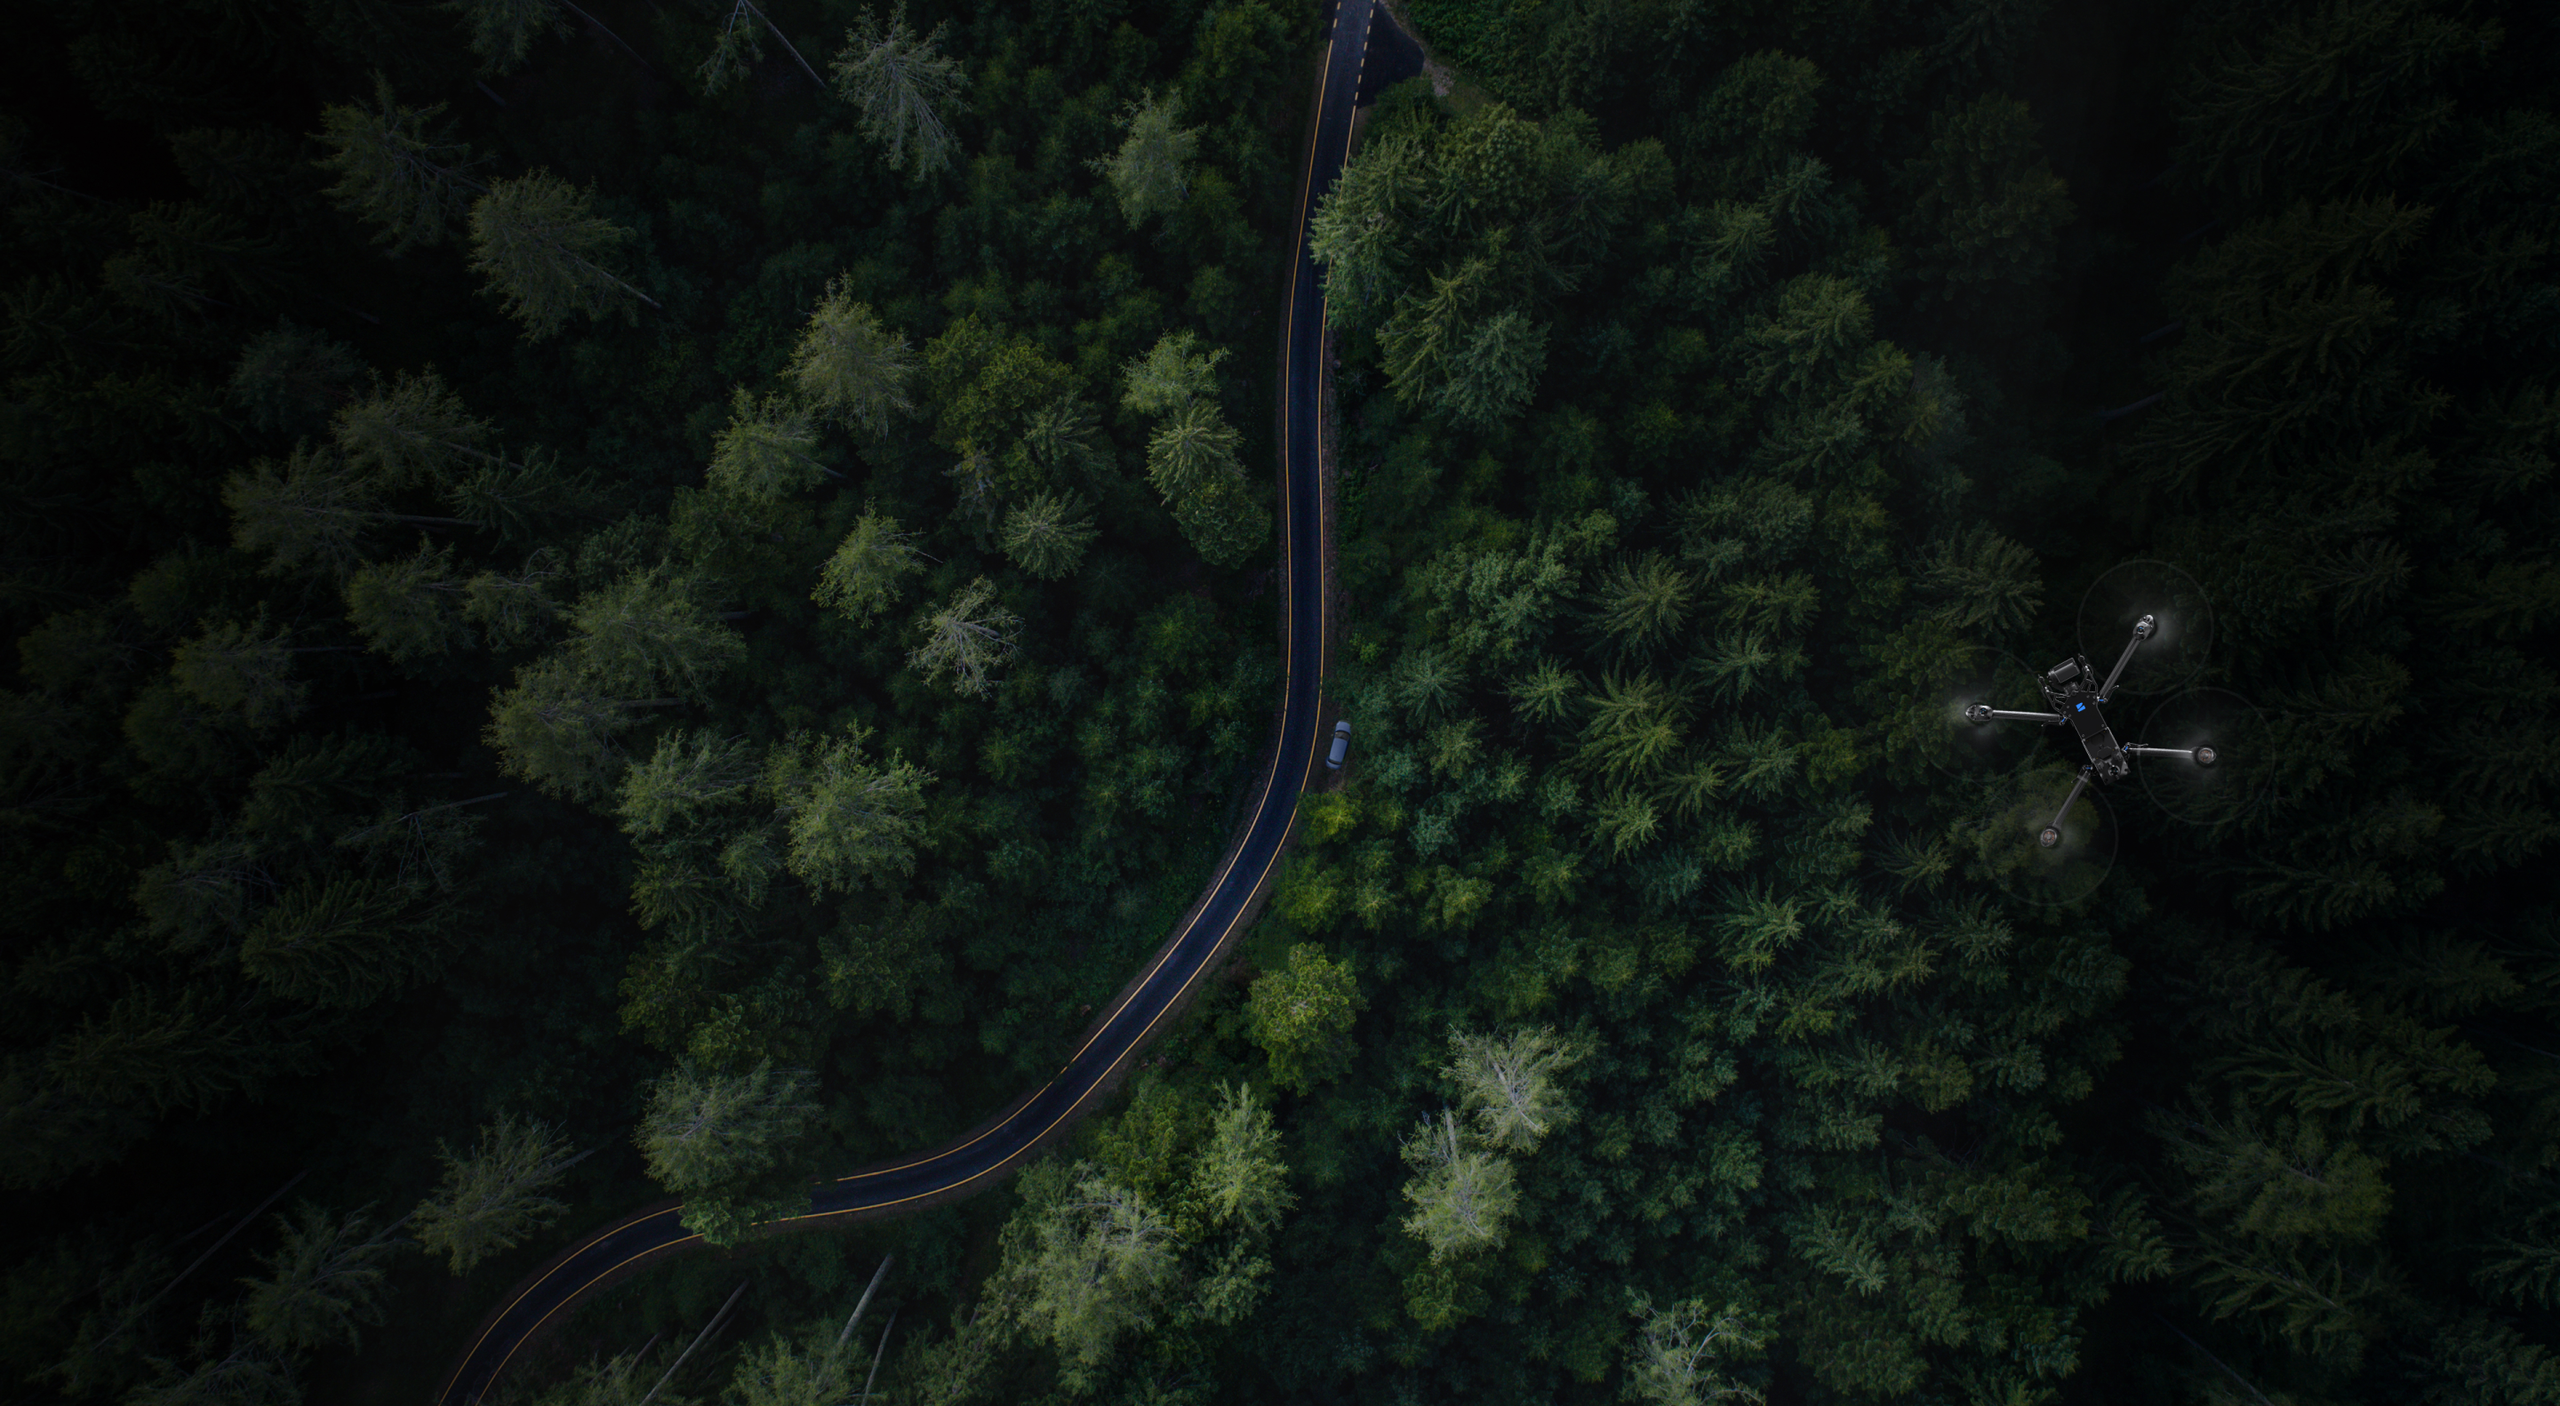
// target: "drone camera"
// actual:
[[2063, 672]]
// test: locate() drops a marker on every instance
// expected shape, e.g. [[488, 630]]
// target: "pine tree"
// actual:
[[557, 727], [1681, 1350], [1362, 232], [536, 245], [512, 609], [322, 1280], [862, 577], [338, 942], [847, 365], [649, 633], [1047, 534], [717, 1139], [410, 432], [1173, 374], [690, 774], [1988, 583], [1301, 1015], [740, 46], [1759, 113], [1150, 172], [395, 170], [906, 88], [244, 669], [171, 1048], [1984, 208], [1191, 460], [965, 640], [1463, 1196], [409, 609], [1640, 605], [1238, 1176], [1496, 372], [314, 513], [1508, 1085], [490, 1200], [1096, 1262], [763, 455], [290, 378], [851, 820]]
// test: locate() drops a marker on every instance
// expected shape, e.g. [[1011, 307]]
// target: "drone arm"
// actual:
[[2142, 629], [2069, 801], [2006, 715], [2201, 756]]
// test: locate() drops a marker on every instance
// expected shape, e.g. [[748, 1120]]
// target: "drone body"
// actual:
[[2068, 692]]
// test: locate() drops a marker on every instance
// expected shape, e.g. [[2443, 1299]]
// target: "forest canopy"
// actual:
[[631, 601]]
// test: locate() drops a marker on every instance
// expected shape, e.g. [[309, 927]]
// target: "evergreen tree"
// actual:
[[490, 1200], [536, 245], [1359, 236], [1097, 1262], [313, 513], [1150, 172], [763, 455], [338, 942], [1988, 583], [718, 1139], [847, 365], [322, 1280], [862, 577], [1047, 534], [409, 433], [649, 633], [965, 640], [1508, 1085], [1301, 1015], [241, 668], [1496, 372], [906, 88], [1192, 461], [691, 774], [1984, 207], [1239, 1177], [290, 378], [502, 32], [409, 609], [851, 820], [1463, 1196], [1172, 375], [395, 170], [1680, 1352]]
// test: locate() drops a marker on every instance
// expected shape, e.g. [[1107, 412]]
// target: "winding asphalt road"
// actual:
[[983, 1157]]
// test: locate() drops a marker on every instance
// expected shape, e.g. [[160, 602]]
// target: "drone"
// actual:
[[2067, 690]]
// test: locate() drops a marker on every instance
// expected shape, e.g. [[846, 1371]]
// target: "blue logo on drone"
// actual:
[[2079, 707]]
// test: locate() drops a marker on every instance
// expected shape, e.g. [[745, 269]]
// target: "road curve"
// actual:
[[981, 1158]]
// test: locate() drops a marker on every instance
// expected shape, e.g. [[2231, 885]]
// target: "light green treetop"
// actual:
[[862, 577], [850, 366], [491, 1199], [852, 820], [1301, 1015], [1150, 172], [906, 88]]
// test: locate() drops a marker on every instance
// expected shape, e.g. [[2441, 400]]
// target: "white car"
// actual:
[[1341, 744]]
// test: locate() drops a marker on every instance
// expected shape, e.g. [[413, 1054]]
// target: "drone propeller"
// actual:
[[2037, 848], [2224, 772], [1977, 674], [2183, 624]]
